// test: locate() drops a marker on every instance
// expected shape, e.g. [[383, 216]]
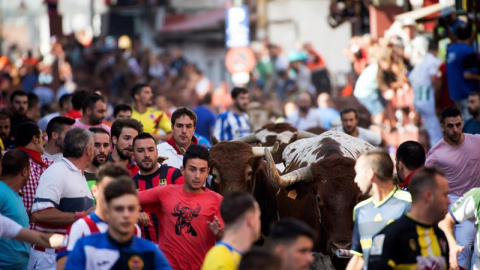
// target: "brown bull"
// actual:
[[237, 166], [322, 194]]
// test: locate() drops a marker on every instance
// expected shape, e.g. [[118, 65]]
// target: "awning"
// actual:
[[425, 11], [203, 20]]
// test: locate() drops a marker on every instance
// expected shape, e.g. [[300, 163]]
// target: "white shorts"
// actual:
[[40, 260]]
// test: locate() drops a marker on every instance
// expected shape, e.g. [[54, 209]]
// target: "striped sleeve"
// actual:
[[465, 207]]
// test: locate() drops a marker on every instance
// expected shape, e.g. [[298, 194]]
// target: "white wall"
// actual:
[[306, 21]]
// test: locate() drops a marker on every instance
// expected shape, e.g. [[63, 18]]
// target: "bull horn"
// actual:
[[250, 138], [288, 179], [259, 151], [305, 135], [214, 140]]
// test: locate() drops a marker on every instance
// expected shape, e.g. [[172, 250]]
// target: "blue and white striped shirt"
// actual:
[[230, 126]]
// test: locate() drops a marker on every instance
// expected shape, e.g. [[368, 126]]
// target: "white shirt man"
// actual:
[[184, 121], [350, 126]]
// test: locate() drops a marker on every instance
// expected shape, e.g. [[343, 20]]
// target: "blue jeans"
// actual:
[[465, 233]]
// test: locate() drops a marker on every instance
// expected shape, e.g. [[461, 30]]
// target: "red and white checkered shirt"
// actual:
[[30, 188]]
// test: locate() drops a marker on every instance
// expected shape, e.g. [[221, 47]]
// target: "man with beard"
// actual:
[[57, 128], [374, 172], [124, 130], [304, 117], [150, 175], [101, 149], [457, 156], [5, 141], [349, 117], [154, 121], [472, 125], [18, 110], [94, 110], [184, 122], [234, 124]]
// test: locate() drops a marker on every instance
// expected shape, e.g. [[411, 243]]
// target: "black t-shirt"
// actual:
[[408, 244]]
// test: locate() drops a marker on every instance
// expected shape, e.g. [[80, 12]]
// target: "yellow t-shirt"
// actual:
[[154, 121], [220, 257]]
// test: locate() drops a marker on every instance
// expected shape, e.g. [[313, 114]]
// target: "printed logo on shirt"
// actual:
[[412, 244], [135, 263], [185, 216], [162, 182]]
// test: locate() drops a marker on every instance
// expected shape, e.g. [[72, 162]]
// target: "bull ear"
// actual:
[[214, 140]]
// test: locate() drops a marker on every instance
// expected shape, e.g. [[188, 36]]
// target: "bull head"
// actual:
[[274, 178]]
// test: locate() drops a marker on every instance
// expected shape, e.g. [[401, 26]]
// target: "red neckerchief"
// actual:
[[407, 179], [34, 155], [171, 141], [73, 114]]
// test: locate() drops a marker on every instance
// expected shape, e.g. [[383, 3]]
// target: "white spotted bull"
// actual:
[[318, 187]]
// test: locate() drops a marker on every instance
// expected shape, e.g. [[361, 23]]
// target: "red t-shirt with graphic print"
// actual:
[[183, 234]]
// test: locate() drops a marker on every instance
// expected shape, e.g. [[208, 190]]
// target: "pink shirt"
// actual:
[[459, 163], [79, 124]]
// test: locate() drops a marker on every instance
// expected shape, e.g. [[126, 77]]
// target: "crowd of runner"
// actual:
[[109, 146]]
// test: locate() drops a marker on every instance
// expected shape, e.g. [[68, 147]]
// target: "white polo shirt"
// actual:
[[62, 186]]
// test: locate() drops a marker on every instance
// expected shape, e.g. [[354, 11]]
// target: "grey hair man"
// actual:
[[63, 195]]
